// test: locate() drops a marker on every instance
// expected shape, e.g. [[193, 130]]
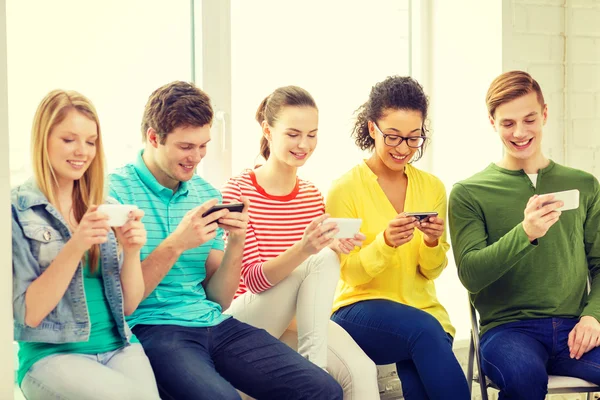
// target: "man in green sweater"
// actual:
[[524, 262]]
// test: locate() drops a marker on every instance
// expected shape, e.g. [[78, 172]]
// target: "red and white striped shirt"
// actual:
[[276, 223]]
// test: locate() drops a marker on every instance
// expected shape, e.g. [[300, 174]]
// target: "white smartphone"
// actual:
[[348, 227], [118, 214], [570, 198]]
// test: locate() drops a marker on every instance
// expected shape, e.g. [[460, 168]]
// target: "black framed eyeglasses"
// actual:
[[414, 142]]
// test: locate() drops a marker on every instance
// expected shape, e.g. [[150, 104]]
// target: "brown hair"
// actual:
[[87, 190], [271, 106], [509, 86], [176, 104]]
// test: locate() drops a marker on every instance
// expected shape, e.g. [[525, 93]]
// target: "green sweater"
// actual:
[[510, 279]]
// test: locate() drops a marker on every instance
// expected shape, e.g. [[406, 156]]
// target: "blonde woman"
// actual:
[[73, 283]]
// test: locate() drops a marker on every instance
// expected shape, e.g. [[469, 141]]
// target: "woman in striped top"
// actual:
[[290, 266]]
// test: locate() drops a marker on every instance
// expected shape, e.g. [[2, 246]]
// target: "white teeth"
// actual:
[[521, 143], [76, 163], [398, 157]]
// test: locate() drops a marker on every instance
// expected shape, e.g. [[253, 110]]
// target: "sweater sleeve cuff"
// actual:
[[593, 310], [256, 281], [432, 257], [385, 250], [377, 250], [523, 237]]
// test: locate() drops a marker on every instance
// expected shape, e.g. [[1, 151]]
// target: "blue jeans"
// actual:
[[519, 356], [415, 341], [209, 363], [121, 374]]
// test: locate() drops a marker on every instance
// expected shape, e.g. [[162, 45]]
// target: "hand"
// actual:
[[432, 228], [317, 235], [132, 235], [92, 229], [236, 223], [345, 246], [584, 336], [539, 218], [400, 230], [194, 229]]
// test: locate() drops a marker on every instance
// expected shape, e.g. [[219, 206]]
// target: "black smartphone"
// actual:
[[420, 216], [232, 207]]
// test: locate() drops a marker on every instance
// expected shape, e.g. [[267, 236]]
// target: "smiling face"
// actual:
[[293, 136], [176, 159], [72, 146], [519, 123], [406, 123]]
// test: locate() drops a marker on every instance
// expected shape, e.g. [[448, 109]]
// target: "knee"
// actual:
[[327, 261], [358, 369], [430, 331], [518, 379], [358, 377]]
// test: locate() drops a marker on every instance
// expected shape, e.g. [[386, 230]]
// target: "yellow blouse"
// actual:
[[377, 271]]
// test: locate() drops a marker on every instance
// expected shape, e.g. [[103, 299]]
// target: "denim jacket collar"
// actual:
[[29, 195]]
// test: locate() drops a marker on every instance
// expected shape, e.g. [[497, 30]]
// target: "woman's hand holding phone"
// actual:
[[433, 229], [317, 235], [345, 246], [92, 229], [400, 230], [132, 235]]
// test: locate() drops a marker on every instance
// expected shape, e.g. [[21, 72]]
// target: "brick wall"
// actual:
[[558, 42]]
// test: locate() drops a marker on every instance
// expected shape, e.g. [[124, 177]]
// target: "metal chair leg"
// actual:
[[470, 365]]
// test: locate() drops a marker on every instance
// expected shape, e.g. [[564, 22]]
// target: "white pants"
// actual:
[[121, 374], [308, 293]]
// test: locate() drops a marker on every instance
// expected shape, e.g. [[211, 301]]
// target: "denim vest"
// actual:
[[39, 233]]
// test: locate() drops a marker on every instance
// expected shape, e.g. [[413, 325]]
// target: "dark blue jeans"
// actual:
[[390, 332], [519, 356], [207, 363]]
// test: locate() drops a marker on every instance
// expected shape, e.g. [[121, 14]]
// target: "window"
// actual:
[[335, 50], [114, 52]]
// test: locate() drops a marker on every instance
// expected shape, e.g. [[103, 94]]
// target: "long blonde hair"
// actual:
[[90, 188]]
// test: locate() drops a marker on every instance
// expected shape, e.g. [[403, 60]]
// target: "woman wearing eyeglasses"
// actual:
[[386, 299]]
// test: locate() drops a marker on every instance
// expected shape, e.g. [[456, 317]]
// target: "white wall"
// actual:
[[465, 58], [6, 331], [335, 49], [542, 31]]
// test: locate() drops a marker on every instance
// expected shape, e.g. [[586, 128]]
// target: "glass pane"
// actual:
[[333, 50], [114, 52]]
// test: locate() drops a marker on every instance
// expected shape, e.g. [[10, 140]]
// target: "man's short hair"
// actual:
[[174, 105], [509, 86]]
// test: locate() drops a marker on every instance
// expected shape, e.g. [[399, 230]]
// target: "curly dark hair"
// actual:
[[396, 93], [176, 104]]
